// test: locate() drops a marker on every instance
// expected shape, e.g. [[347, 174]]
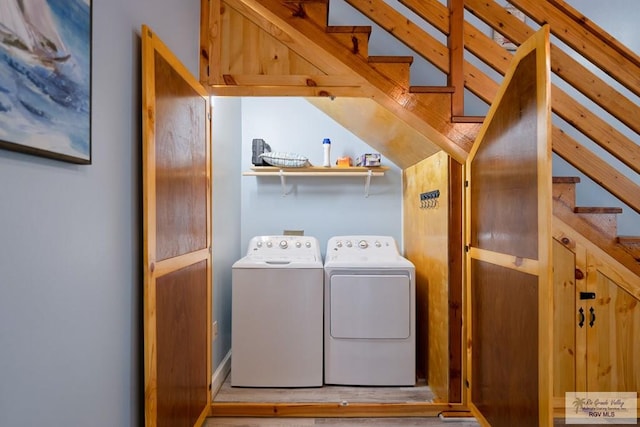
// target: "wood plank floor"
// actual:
[[337, 422], [419, 393]]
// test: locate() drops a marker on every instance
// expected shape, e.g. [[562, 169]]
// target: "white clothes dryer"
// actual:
[[277, 311], [369, 323]]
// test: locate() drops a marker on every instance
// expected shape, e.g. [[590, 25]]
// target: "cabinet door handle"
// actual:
[[581, 317], [592, 317]]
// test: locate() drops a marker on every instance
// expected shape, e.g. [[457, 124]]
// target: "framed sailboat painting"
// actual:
[[45, 78]]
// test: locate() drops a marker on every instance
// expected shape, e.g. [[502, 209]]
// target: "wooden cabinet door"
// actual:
[[613, 330], [509, 278], [566, 332], [176, 164]]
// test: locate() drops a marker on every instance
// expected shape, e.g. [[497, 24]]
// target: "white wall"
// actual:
[[322, 207], [70, 276]]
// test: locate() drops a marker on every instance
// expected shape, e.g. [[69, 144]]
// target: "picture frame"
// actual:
[[45, 78], [502, 40]]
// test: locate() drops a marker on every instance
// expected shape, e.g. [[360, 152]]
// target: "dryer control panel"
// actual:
[[283, 248], [345, 248]]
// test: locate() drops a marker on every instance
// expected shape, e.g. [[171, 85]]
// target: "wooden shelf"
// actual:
[[318, 171]]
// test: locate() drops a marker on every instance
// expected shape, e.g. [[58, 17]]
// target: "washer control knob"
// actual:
[[339, 244], [269, 244], [378, 244], [308, 244], [283, 244], [349, 243], [298, 245], [259, 244], [363, 244]]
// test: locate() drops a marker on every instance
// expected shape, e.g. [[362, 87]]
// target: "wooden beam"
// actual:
[[210, 42], [307, 39], [597, 169], [333, 409], [431, 11], [598, 32], [595, 48], [404, 30], [455, 43], [565, 106]]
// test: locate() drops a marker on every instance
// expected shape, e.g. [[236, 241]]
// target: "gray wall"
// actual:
[[620, 19], [226, 134], [70, 288], [322, 207]]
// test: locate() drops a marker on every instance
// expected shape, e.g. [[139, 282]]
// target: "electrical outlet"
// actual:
[[214, 329]]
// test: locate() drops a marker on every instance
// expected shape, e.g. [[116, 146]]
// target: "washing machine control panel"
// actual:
[[361, 247], [284, 248]]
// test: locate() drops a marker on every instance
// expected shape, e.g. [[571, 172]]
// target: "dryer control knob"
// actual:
[[298, 245], [363, 244], [378, 244], [283, 244], [268, 244], [348, 243]]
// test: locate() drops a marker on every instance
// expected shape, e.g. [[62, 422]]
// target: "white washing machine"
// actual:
[[369, 318], [277, 311]]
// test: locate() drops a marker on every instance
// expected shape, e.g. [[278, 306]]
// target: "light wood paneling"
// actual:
[[564, 320], [613, 333], [433, 242], [425, 239]]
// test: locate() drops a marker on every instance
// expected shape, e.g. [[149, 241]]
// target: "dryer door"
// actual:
[[370, 306]]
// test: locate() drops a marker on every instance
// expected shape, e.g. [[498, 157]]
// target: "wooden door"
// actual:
[[509, 275], [612, 323], [176, 163]]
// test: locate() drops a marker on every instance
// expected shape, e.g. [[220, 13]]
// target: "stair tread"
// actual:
[[597, 209], [431, 89], [629, 239], [391, 59], [349, 29], [566, 179], [467, 119]]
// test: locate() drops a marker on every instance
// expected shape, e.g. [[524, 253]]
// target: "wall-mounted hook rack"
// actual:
[[429, 200]]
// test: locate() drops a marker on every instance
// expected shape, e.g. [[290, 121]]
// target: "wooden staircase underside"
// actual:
[[278, 53], [285, 48]]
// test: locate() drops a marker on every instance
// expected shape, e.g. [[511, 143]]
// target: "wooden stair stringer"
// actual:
[[313, 43], [624, 264], [377, 126], [631, 244]]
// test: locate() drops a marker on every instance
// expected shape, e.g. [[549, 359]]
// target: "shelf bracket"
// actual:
[[283, 183], [367, 183]]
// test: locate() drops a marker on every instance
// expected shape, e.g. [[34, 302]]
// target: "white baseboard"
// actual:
[[220, 374]]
